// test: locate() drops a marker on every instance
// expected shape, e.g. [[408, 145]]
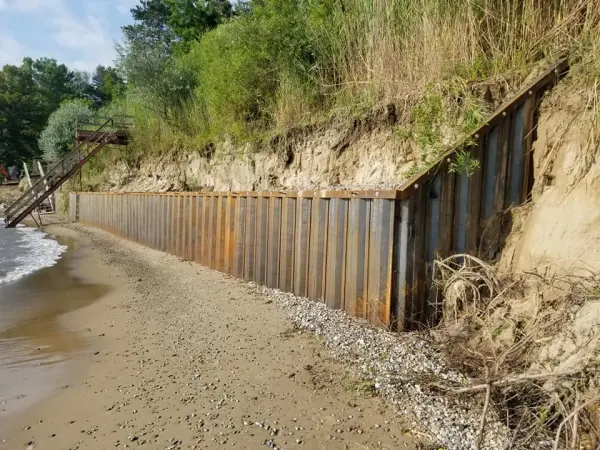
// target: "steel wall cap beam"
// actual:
[[390, 194], [548, 77]]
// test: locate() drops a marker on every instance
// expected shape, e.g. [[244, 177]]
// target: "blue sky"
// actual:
[[78, 33]]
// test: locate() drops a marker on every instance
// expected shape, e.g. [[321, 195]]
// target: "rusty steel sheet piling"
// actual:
[[370, 253], [332, 248]]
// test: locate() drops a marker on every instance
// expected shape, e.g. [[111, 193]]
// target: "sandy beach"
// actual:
[[177, 356]]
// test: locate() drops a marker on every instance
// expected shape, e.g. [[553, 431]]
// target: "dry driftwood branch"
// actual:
[[575, 427], [509, 380], [571, 414], [486, 405]]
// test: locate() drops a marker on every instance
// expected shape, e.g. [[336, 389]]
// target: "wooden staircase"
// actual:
[[91, 137]]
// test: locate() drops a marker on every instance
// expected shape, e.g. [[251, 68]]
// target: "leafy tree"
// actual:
[[57, 138], [21, 115], [108, 85], [189, 19], [162, 30], [175, 23], [34, 90], [150, 27], [54, 82], [161, 82]]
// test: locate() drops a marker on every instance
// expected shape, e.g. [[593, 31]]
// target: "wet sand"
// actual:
[[37, 350], [176, 356]]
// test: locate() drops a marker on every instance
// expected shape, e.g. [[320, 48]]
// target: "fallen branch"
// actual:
[[566, 419], [486, 405], [506, 381]]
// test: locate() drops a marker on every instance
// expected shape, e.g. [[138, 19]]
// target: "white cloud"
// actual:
[[27, 5], [82, 39], [11, 52], [87, 36], [124, 6]]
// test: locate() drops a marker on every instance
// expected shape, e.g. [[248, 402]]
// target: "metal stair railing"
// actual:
[[54, 177]]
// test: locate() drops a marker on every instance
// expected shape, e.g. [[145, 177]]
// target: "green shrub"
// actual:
[[58, 136], [280, 63]]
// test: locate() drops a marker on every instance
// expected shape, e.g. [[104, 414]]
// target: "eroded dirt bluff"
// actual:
[[374, 151], [357, 154], [560, 228]]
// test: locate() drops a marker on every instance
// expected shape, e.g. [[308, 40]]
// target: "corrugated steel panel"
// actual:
[[357, 252], [317, 253], [273, 242], [199, 233], [239, 224], [336, 253], [379, 302], [302, 245], [219, 242], [262, 239], [517, 157], [250, 239], [286, 253], [475, 193], [434, 235], [191, 231], [213, 236], [186, 227], [490, 176], [230, 236]]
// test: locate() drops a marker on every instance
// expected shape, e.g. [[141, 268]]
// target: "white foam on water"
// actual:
[[31, 252]]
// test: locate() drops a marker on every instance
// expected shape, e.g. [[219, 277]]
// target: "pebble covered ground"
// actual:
[[184, 357], [400, 365]]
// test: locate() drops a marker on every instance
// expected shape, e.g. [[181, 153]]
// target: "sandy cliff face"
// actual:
[[362, 153], [561, 227]]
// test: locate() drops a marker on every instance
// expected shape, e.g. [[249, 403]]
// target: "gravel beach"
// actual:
[[182, 357]]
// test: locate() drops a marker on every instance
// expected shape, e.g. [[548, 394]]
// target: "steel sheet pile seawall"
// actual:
[[369, 253], [335, 246], [445, 210]]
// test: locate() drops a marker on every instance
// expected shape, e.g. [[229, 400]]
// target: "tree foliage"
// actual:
[[163, 30], [108, 85], [29, 93], [57, 138], [21, 115]]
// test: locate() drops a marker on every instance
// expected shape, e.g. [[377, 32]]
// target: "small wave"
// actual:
[[30, 251]]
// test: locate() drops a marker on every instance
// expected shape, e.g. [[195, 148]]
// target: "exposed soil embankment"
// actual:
[[377, 150], [362, 153], [561, 227]]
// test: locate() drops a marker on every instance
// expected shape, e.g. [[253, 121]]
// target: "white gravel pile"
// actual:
[[400, 365]]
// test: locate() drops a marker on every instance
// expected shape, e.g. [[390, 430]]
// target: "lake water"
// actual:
[[25, 250], [38, 285]]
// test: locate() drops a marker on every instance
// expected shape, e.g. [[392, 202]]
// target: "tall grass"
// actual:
[[397, 48], [289, 62]]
